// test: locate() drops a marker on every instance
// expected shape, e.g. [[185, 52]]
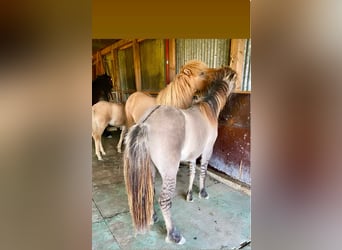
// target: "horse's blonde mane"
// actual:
[[179, 93]]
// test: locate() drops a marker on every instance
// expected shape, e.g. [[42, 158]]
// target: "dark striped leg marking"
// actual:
[[203, 193]]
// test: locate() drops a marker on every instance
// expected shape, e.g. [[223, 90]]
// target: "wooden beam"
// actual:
[[237, 57], [130, 44], [122, 44], [116, 45], [109, 48], [137, 68], [172, 59]]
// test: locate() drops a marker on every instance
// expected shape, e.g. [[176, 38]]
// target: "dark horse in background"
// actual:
[[102, 91]]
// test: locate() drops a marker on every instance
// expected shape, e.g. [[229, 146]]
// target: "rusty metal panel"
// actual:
[[214, 52], [152, 63], [231, 153]]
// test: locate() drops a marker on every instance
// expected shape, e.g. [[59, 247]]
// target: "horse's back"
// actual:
[[112, 113], [137, 104]]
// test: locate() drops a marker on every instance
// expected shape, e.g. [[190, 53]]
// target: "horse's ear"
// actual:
[[187, 72]]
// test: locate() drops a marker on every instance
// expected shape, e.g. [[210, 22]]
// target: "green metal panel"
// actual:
[[152, 64], [126, 69]]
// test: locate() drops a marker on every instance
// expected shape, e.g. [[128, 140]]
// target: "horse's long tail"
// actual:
[[138, 177]]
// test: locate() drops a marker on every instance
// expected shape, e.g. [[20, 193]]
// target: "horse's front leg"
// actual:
[[191, 181], [168, 188]]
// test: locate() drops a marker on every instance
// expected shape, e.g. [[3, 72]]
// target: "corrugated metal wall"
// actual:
[[214, 52], [246, 80]]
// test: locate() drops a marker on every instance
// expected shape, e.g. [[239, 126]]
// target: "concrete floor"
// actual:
[[221, 222]]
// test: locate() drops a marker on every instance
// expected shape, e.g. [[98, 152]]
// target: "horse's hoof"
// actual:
[[154, 220], [180, 242], [174, 236], [189, 197], [203, 194]]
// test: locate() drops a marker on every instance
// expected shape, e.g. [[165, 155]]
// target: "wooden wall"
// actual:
[[137, 65]]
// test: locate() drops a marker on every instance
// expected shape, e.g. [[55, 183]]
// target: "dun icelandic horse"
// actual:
[[104, 113], [194, 76], [163, 138]]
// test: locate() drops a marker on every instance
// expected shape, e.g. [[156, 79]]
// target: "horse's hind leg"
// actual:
[[129, 117], [154, 216], [123, 132], [97, 142], [203, 193], [191, 181], [96, 133], [101, 147], [203, 174], [168, 188], [100, 132]]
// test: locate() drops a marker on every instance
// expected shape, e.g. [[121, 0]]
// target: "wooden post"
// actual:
[[237, 55], [116, 74], [99, 65], [137, 69], [172, 59]]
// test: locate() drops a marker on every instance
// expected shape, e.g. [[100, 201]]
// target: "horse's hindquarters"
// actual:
[[166, 135]]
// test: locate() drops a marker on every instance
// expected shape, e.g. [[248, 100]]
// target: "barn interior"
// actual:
[[222, 221]]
